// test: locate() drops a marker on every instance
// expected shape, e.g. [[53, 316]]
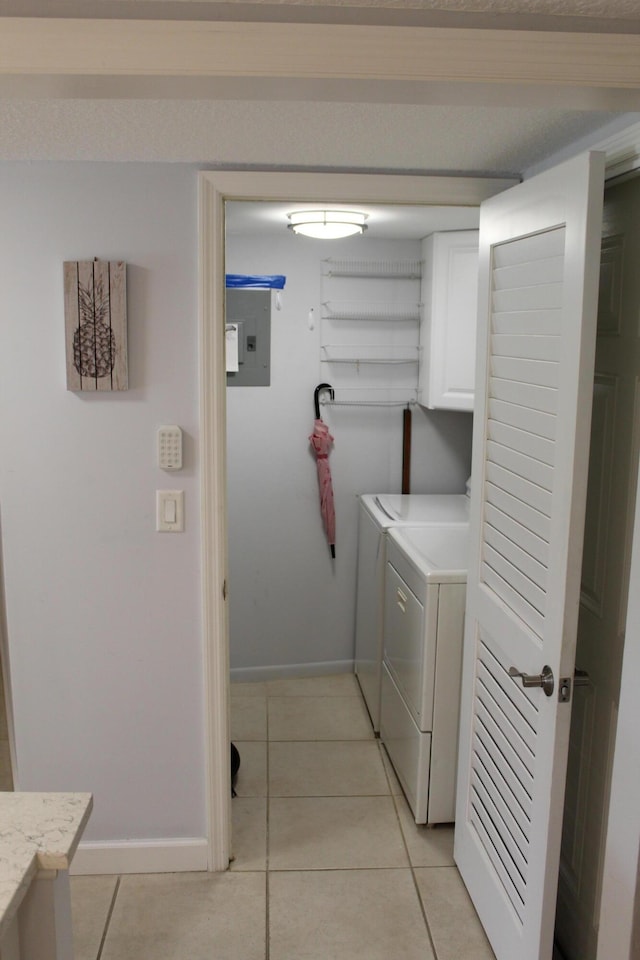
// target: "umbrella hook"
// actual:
[[316, 401]]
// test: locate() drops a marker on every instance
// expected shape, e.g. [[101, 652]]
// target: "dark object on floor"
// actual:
[[235, 766]]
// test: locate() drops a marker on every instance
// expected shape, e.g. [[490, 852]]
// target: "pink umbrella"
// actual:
[[321, 441]]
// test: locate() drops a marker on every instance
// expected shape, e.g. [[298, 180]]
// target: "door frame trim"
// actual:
[[5, 677], [216, 187]]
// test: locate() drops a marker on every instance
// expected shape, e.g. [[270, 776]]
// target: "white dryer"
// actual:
[[425, 590], [377, 514]]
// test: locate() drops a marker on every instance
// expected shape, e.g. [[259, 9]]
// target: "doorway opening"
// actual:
[[216, 190], [292, 606]]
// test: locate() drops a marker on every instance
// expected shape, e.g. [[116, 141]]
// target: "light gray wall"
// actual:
[[290, 604], [103, 613]]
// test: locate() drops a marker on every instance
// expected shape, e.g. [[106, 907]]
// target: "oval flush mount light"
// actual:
[[327, 224]]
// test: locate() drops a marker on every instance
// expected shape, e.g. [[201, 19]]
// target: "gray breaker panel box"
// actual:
[[251, 311]]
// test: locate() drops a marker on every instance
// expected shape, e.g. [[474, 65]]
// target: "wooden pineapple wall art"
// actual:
[[95, 310]]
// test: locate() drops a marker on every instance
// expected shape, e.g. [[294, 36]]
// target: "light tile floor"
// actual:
[[329, 864]]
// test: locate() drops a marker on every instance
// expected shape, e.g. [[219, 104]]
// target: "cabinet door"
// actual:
[[448, 325]]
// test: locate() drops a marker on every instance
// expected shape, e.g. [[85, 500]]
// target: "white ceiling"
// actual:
[[465, 128], [409, 137]]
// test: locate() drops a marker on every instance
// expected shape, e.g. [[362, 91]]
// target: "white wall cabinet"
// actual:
[[448, 320]]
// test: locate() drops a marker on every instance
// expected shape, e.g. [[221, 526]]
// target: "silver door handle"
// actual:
[[544, 679]]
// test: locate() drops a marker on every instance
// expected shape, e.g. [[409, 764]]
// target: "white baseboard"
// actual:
[[141, 856], [324, 668]]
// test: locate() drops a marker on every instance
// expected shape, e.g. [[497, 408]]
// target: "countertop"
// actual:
[[38, 831]]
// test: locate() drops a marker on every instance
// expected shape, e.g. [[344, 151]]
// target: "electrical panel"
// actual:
[[248, 327]]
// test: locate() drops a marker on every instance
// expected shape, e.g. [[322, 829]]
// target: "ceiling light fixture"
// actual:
[[327, 224]]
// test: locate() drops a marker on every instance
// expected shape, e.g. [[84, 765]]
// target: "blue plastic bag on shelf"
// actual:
[[256, 281]]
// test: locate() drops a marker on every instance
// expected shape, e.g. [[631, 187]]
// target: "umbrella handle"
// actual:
[[316, 401]]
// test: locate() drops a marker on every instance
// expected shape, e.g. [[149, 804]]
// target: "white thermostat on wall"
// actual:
[[170, 448]]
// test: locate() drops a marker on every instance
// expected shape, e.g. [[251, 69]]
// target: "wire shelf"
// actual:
[[372, 396], [381, 269], [370, 310], [369, 353], [368, 403]]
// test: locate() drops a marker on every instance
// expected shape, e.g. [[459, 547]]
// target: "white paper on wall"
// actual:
[[231, 338]]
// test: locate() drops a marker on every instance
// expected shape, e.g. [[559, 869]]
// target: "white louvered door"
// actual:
[[539, 266]]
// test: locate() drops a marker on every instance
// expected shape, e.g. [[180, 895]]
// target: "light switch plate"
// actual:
[[170, 511]]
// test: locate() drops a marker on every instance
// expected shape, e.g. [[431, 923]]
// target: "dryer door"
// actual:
[[409, 644]]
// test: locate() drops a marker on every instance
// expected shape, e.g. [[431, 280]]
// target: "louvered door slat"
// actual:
[[502, 843], [531, 421], [522, 698], [531, 271], [532, 520], [531, 395], [480, 777], [523, 466], [518, 754], [520, 369], [513, 599], [521, 726], [540, 323], [530, 493], [516, 759], [514, 843], [494, 847], [525, 348], [544, 296], [505, 781], [513, 554], [537, 447], [506, 568], [528, 249], [510, 528]]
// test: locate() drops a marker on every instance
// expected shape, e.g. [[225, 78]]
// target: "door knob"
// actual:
[[544, 679]]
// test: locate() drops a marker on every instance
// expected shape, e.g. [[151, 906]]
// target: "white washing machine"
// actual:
[[425, 591], [376, 516]]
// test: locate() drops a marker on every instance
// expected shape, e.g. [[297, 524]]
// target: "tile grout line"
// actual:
[[108, 920], [424, 913], [406, 848], [390, 793]]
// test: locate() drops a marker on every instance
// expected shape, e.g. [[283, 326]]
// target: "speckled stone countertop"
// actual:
[[38, 831]]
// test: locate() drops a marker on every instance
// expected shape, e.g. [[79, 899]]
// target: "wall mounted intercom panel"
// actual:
[[249, 312]]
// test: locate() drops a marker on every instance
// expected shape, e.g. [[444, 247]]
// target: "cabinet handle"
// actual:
[[401, 599]]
